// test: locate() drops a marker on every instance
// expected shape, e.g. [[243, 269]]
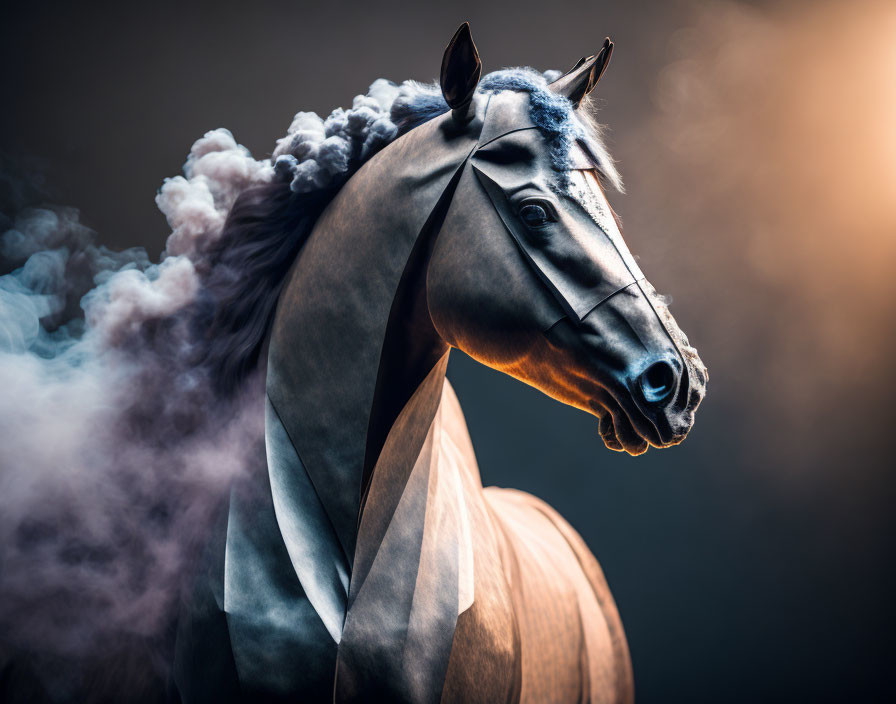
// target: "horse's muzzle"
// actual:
[[669, 394]]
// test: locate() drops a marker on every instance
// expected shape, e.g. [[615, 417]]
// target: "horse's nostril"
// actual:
[[658, 382]]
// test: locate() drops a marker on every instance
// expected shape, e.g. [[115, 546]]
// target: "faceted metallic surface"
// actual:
[[370, 564]]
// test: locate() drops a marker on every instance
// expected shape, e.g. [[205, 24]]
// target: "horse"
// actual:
[[368, 562]]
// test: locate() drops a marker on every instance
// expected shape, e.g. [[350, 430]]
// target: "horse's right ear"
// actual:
[[580, 80], [461, 69]]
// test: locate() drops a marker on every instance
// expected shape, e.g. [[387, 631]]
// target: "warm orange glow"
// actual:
[[768, 184]]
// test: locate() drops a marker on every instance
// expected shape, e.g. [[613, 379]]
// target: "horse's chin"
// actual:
[[619, 435]]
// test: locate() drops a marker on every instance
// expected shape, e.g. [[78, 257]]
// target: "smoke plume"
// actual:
[[117, 448]]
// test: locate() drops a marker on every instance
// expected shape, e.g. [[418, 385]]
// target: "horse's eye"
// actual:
[[534, 214]]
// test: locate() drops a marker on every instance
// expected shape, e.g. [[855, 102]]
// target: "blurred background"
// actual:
[[757, 141]]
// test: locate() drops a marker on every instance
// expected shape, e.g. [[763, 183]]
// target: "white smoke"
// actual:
[[116, 450], [217, 171]]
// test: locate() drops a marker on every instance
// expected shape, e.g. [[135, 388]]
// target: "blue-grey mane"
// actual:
[[269, 223], [553, 114]]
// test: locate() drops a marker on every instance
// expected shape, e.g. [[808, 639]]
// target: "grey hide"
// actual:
[[369, 564]]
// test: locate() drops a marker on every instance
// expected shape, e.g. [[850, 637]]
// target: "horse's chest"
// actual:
[[485, 663], [434, 619]]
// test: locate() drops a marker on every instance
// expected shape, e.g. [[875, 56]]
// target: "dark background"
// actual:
[[757, 141]]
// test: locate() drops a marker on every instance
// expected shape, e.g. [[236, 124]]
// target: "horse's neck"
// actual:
[[350, 343]]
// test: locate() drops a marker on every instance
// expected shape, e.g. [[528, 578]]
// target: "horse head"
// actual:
[[530, 274]]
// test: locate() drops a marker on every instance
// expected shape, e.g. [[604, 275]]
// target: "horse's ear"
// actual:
[[580, 80], [461, 69]]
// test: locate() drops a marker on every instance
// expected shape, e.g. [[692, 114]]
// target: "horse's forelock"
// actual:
[[560, 122]]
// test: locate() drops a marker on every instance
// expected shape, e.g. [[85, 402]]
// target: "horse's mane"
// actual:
[[268, 223]]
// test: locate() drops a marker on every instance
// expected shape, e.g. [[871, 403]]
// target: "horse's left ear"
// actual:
[[461, 69], [580, 80]]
